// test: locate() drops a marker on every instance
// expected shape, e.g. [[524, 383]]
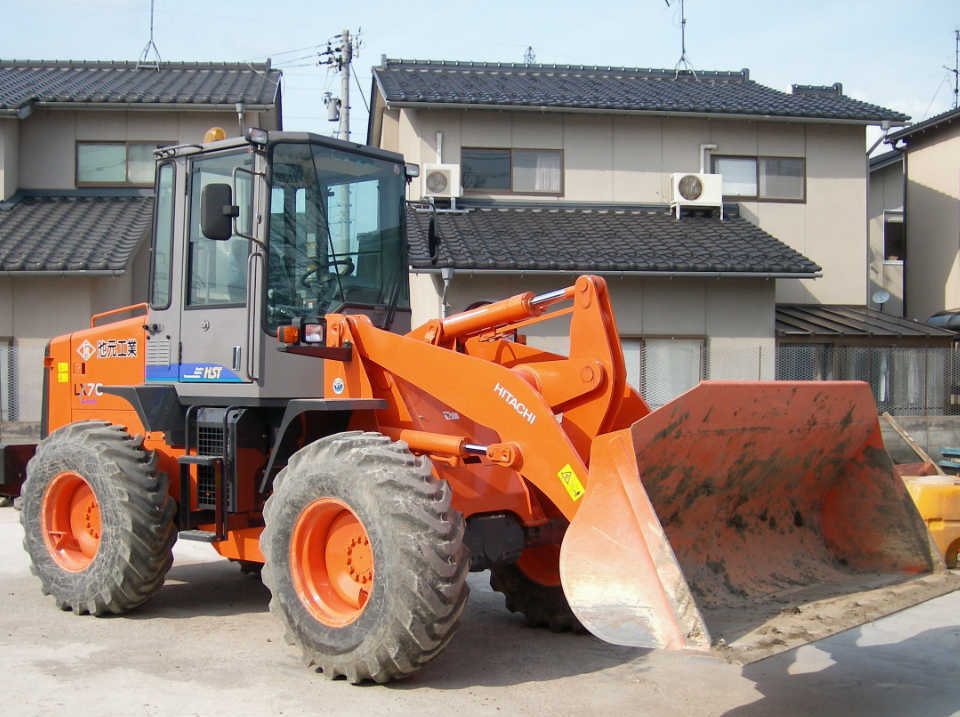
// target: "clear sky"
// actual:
[[889, 53]]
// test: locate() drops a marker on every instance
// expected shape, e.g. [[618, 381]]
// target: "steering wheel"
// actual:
[[309, 279]]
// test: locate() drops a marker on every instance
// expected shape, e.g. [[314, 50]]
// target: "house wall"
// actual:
[[933, 223], [630, 159], [34, 309], [48, 137], [734, 316], [886, 194], [9, 156]]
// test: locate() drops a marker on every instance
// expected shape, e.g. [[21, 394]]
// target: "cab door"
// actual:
[[214, 321]]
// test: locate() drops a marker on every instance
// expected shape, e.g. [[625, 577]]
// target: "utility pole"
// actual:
[[339, 109], [340, 57], [346, 56]]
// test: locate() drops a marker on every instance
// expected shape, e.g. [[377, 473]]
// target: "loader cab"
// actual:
[[254, 233], [335, 241]]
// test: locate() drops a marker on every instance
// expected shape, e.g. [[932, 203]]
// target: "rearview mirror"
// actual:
[[217, 211]]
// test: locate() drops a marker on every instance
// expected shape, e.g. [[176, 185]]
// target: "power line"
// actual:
[[926, 112], [299, 49], [360, 88]]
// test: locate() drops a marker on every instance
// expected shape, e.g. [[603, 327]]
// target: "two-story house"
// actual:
[[915, 210], [76, 187], [570, 169]]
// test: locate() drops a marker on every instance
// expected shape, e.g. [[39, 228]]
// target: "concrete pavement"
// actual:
[[206, 645]]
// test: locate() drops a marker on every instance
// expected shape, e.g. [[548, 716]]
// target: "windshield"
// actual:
[[335, 239]]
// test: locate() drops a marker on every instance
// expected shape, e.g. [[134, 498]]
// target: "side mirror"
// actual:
[[217, 211]]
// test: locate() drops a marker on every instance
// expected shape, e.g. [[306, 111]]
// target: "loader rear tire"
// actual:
[[365, 559], [97, 519], [538, 595]]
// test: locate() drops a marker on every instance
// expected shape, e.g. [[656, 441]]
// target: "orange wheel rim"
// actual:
[[331, 562], [541, 564], [70, 521]]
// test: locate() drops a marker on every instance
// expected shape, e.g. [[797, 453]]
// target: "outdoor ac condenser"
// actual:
[[696, 189], [441, 180]]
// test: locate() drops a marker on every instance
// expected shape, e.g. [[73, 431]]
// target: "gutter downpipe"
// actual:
[[884, 128], [447, 275], [704, 148]]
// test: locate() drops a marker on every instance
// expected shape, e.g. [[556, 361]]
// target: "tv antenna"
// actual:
[[683, 62], [955, 69], [144, 56], [529, 57]]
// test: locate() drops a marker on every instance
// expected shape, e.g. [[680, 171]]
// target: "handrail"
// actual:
[[142, 305]]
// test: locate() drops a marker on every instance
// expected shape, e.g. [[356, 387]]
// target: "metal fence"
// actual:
[[904, 381], [8, 381]]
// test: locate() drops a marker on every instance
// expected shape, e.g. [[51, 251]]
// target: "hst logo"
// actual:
[[212, 373], [205, 373]]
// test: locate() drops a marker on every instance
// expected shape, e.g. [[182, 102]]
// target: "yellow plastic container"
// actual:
[[937, 497]]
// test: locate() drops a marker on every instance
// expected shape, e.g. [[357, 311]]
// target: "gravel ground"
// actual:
[[206, 645]]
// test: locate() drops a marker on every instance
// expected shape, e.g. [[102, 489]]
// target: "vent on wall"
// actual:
[[441, 180], [696, 189]]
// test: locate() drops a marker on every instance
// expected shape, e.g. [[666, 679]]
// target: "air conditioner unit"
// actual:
[[695, 189], [441, 180]]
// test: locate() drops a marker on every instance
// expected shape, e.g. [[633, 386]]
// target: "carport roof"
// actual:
[[828, 321], [72, 233], [557, 237]]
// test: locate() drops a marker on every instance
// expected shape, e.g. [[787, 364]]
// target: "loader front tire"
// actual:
[[97, 519], [364, 557], [532, 588]]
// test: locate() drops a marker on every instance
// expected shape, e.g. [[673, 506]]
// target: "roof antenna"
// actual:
[[144, 56], [529, 57], [955, 69], [682, 62]]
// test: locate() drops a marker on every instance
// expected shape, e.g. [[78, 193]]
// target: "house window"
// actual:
[[764, 178], [524, 171], [105, 163], [894, 240], [662, 369]]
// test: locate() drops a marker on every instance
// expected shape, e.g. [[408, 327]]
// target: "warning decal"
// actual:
[[570, 481]]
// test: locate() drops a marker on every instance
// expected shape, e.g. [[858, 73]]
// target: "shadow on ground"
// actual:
[[495, 648], [215, 588], [492, 647], [843, 678]]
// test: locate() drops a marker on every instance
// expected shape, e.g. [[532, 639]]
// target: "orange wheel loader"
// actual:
[[272, 400]]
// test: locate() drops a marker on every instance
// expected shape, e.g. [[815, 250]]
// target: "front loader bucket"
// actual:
[[752, 515]]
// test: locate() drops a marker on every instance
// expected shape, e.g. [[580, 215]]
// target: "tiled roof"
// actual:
[[72, 233], [937, 121], [824, 320], [192, 83], [613, 89], [541, 237]]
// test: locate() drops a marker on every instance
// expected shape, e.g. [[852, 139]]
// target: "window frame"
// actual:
[[511, 190], [893, 216], [173, 229], [188, 259], [155, 144], [756, 160], [642, 341]]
